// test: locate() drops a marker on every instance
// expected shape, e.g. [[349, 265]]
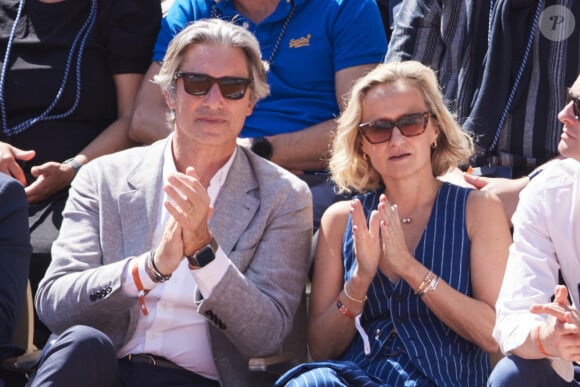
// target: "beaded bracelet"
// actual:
[[344, 310], [351, 297]]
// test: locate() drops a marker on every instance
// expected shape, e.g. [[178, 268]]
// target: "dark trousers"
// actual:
[[85, 356], [514, 371]]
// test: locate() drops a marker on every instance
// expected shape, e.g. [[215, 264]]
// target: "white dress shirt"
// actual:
[[546, 238], [173, 328]]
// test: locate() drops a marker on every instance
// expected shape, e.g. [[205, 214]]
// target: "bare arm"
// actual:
[[54, 176], [329, 332], [490, 239], [307, 149], [508, 190], [116, 136], [149, 123]]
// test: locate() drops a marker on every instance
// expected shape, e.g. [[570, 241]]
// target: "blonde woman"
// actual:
[[406, 274]]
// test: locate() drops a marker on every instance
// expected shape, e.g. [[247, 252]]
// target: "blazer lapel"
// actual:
[[139, 203], [236, 204]]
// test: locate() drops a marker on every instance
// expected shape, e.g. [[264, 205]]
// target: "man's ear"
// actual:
[[169, 96], [250, 108]]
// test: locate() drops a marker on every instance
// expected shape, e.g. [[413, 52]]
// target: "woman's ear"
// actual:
[[437, 132]]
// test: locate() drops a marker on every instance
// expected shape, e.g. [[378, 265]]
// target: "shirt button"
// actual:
[[246, 25]]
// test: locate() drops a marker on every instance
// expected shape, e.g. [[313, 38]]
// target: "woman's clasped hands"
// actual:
[[381, 243]]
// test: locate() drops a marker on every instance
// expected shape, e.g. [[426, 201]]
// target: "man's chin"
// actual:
[[569, 150]]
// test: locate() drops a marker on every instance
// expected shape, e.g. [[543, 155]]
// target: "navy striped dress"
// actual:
[[410, 346]]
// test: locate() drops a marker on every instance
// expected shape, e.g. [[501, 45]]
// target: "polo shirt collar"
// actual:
[[227, 8]]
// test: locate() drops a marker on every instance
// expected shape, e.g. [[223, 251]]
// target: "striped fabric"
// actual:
[[410, 346], [446, 36], [530, 134], [477, 53]]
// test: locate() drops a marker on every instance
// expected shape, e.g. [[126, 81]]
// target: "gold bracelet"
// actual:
[[432, 286], [423, 285], [352, 298]]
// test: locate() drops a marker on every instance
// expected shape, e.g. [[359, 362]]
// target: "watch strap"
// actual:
[[203, 255], [73, 163]]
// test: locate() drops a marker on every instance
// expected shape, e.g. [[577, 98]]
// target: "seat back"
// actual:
[[24, 334]]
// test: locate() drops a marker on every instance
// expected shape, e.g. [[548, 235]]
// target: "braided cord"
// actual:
[[515, 86], [491, 5], [282, 32], [81, 36], [5, 65]]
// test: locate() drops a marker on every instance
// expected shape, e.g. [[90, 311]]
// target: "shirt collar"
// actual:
[[228, 9], [216, 182]]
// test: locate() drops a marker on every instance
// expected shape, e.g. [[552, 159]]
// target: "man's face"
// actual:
[[211, 119], [569, 145]]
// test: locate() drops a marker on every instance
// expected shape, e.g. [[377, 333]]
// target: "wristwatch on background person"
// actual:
[[204, 255], [73, 163], [262, 147]]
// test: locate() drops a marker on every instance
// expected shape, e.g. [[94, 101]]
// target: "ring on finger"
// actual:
[[190, 207]]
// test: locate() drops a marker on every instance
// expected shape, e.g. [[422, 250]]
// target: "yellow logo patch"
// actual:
[[300, 42]]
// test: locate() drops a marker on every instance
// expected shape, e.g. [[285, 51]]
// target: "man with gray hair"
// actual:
[[178, 261]]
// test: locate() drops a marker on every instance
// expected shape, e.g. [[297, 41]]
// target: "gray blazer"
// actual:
[[262, 220]]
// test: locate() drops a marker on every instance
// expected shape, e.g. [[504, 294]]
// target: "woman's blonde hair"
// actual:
[[353, 172]]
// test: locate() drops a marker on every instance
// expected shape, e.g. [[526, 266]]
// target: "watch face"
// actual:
[[262, 147], [203, 256]]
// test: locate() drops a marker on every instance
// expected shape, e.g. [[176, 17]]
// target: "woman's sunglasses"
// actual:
[[575, 104], [381, 130], [200, 84]]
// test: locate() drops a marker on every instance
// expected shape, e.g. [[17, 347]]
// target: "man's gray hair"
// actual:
[[219, 32]]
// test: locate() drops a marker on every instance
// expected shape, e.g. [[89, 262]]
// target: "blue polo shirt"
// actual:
[[322, 37]]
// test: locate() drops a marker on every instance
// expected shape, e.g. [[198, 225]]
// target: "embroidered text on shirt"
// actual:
[[301, 42]]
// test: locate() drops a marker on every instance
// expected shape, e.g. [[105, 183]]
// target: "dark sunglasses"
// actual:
[[381, 130], [200, 84], [575, 104]]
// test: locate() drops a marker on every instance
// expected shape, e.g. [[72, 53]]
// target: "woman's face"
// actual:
[[400, 156]]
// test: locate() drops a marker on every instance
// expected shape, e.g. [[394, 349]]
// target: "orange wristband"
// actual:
[[140, 287], [539, 343]]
